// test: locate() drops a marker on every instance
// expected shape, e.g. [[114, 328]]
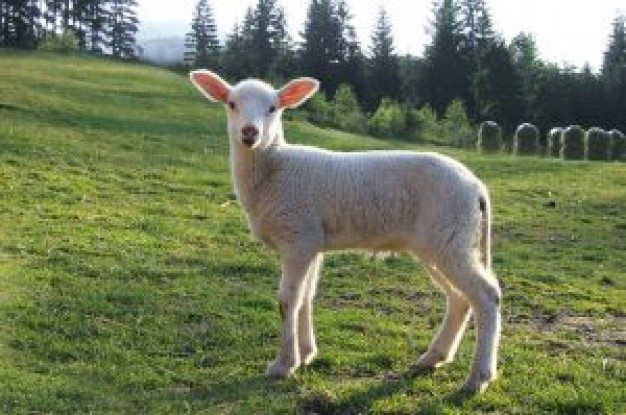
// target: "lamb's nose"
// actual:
[[249, 135]]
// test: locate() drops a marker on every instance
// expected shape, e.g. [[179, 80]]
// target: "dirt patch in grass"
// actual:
[[608, 331]]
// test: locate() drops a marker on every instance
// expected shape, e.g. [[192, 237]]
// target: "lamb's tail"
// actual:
[[485, 230]]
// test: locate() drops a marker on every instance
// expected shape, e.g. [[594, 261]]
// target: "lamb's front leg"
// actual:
[[306, 335], [290, 296]]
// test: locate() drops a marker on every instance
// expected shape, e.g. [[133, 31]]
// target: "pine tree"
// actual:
[[96, 17], [233, 54], [52, 16], [98, 25], [614, 71], [261, 42], [496, 87], [268, 36], [19, 23], [202, 42], [445, 74], [320, 44], [77, 20], [478, 40], [329, 49], [284, 62], [384, 69], [523, 50], [478, 32], [614, 62], [122, 27], [353, 63]]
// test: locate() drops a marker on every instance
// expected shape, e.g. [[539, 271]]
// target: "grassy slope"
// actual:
[[129, 284]]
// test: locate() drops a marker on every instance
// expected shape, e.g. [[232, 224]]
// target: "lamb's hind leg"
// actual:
[[295, 267], [446, 342], [482, 291], [306, 335]]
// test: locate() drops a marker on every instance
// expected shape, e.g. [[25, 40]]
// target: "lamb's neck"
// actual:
[[248, 169]]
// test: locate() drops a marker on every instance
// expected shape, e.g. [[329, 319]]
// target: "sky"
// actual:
[[572, 32]]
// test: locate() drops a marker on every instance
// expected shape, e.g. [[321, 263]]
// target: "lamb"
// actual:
[[304, 201]]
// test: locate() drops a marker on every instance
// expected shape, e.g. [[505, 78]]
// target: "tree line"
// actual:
[[467, 70], [466, 62], [98, 26]]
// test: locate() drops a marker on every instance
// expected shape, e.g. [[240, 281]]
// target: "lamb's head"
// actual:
[[254, 108]]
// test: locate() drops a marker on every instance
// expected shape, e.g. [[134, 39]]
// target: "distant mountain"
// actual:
[[163, 43], [162, 51]]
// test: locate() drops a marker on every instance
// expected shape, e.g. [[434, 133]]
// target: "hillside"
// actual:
[[129, 282]]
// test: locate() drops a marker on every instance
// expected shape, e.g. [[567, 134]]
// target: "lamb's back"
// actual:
[[365, 196]]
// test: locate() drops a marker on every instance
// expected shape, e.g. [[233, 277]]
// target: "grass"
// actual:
[[129, 282]]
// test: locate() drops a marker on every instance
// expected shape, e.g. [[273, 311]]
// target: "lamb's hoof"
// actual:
[[278, 369], [477, 385], [307, 355], [431, 360]]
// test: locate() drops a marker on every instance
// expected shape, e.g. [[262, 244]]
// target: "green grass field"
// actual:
[[129, 282]]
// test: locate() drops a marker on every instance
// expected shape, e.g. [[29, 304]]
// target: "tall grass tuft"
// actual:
[[598, 144], [573, 143], [526, 140], [489, 137]]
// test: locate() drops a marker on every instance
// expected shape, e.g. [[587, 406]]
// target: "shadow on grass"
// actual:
[[364, 400], [242, 389]]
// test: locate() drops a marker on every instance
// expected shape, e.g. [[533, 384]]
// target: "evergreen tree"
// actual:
[[98, 25], [445, 74], [19, 23], [614, 72], [384, 69], [122, 27], [232, 58], [52, 16], [236, 59], [269, 36], [76, 12], [261, 42], [411, 70], [4, 22], [478, 33], [96, 18], [496, 87], [614, 62], [523, 50], [320, 52], [478, 40], [352, 65], [202, 43], [329, 49]]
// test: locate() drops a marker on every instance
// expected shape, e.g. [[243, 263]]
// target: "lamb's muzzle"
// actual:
[[304, 201], [249, 134]]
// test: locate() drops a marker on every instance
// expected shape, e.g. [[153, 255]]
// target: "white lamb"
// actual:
[[303, 201]]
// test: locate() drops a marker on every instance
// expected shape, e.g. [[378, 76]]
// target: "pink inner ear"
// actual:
[[213, 86], [294, 93]]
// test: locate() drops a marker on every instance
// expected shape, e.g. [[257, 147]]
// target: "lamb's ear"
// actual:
[[211, 85], [296, 92]]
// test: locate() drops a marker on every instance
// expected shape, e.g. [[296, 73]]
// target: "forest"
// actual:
[[94, 26], [468, 73]]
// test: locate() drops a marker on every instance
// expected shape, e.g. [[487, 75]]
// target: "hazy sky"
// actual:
[[566, 31]]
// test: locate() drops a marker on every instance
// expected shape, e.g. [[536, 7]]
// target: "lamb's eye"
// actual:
[[231, 105], [272, 109]]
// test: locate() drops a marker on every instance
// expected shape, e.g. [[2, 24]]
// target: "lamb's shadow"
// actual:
[[229, 391], [242, 389], [391, 384]]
